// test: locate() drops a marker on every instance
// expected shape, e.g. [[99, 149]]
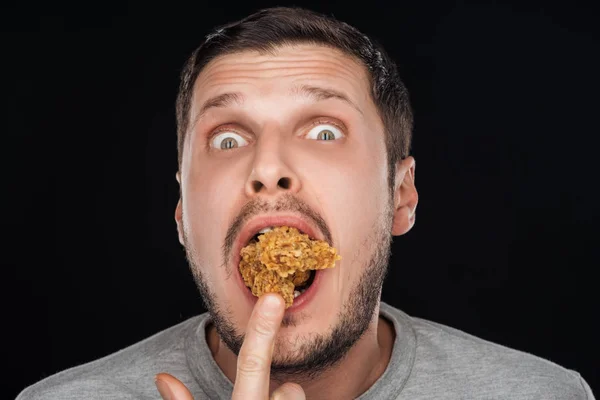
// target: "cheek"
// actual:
[[209, 201], [350, 189], [214, 186], [348, 185]]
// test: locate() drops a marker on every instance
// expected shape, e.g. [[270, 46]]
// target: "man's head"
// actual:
[[290, 114]]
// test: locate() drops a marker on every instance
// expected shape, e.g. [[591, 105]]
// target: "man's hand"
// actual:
[[254, 361]]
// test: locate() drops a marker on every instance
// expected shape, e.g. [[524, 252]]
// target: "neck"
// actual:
[[364, 363]]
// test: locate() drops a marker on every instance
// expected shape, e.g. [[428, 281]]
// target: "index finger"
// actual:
[[254, 360]]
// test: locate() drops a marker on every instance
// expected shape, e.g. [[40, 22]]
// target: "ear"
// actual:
[[179, 212], [405, 197]]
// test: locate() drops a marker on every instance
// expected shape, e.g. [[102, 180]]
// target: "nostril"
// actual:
[[284, 183], [256, 185]]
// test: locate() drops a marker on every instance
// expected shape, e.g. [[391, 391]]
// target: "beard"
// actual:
[[321, 351]]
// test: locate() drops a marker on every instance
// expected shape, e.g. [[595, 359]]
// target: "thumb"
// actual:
[[289, 391], [171, 388]]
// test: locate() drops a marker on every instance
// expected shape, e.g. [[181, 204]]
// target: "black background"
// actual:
[[506, 144]]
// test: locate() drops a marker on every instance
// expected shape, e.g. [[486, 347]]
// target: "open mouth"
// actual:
[[284, 260]]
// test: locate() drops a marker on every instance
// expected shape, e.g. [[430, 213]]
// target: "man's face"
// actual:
[[282, 144]]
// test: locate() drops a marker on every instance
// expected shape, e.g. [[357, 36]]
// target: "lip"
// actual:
[[305, 298], [300, 302]]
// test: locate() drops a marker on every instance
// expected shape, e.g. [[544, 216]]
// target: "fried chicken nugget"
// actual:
[[281, 260], [268, 281]]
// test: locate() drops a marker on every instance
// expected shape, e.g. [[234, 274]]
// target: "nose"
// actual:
[[271, 174]]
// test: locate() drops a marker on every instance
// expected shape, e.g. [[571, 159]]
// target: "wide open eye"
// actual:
[[325, 132], [227, 140]]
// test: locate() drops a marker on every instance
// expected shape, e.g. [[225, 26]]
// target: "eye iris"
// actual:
[[229, 143], [325, 135]]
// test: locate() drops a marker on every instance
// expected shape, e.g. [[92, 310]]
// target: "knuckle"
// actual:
[[263, 326], [294, 389], [252, 364]]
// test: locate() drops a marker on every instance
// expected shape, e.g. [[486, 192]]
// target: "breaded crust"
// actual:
[[281, 260]]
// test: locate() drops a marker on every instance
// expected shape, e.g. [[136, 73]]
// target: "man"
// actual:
[[258, 102]]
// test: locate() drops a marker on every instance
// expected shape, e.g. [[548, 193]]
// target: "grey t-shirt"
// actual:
[[429, 361]]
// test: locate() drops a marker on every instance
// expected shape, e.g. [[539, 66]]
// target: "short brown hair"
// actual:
[[269, 28]]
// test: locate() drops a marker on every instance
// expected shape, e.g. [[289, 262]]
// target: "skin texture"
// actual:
[[342, 181]]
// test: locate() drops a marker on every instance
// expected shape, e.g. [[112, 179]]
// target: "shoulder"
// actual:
[[470, 366], [126, 374], [490, 366], [76, 388]]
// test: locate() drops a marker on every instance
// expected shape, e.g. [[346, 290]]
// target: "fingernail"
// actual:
[[163, 389], [271, 304]]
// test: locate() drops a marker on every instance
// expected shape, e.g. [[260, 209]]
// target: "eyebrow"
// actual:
[[313, 92], [318, 94], [219, 101]]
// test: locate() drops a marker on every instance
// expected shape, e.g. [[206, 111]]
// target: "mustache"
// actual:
[[285, 203]]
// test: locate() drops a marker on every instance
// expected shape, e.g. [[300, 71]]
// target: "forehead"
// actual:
[[260, 74]]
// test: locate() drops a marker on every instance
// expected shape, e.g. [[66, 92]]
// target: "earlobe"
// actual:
[[179, 213], [179, 221], [406, 197]]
